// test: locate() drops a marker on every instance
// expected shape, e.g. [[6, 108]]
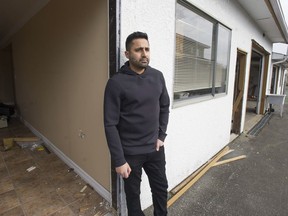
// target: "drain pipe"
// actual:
[[279, 62]]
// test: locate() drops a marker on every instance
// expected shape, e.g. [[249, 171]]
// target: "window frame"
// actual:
[[214, 49]]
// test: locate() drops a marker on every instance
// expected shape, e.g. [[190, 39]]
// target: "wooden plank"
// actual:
[[176, 189], [229, 151], [26, 139], [189, 178], [229, 160], [197, 176], [238, 100]]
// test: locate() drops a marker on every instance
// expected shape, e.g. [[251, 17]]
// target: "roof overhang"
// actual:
[[268, 15]]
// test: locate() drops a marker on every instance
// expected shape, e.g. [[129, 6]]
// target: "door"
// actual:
[[238, 92]]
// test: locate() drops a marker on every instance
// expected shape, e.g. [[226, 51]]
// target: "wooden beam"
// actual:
[[229, 151], [176, 189], [189, 178], [26, 139], [197, 175], [238, 100], [229, 160]]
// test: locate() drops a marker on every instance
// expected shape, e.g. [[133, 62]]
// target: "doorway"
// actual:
[[238, 92], [7, 91], [253, 97], [257, 83], [252, 116]]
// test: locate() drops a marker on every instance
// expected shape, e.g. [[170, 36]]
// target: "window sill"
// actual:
[[181, 103]]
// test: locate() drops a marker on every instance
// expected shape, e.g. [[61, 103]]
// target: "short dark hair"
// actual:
[[133, 36]]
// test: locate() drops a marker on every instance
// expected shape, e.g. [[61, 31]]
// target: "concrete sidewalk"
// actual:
[[256, 185]]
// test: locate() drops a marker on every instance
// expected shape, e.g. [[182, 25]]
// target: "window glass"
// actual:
[[200, 68], [223, 47]]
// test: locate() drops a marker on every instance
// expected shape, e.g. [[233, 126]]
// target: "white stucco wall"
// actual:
[[198, 131]]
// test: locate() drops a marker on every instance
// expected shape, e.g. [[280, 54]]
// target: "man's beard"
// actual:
[[140, 64]]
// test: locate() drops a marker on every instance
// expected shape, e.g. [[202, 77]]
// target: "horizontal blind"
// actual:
[[192, 72], [220, 75]]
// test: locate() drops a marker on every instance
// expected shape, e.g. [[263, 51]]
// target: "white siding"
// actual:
[[198, 131]]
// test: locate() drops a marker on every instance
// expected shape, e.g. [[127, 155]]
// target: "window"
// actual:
[[202, 54]]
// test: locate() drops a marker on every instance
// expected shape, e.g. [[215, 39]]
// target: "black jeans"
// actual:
[[154, 166]]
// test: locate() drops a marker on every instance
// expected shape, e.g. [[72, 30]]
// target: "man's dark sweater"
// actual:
[[136, 112]]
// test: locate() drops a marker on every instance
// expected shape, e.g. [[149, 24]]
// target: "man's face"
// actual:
[[138, 55]]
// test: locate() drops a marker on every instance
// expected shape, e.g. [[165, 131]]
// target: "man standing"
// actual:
[[136, 112]]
